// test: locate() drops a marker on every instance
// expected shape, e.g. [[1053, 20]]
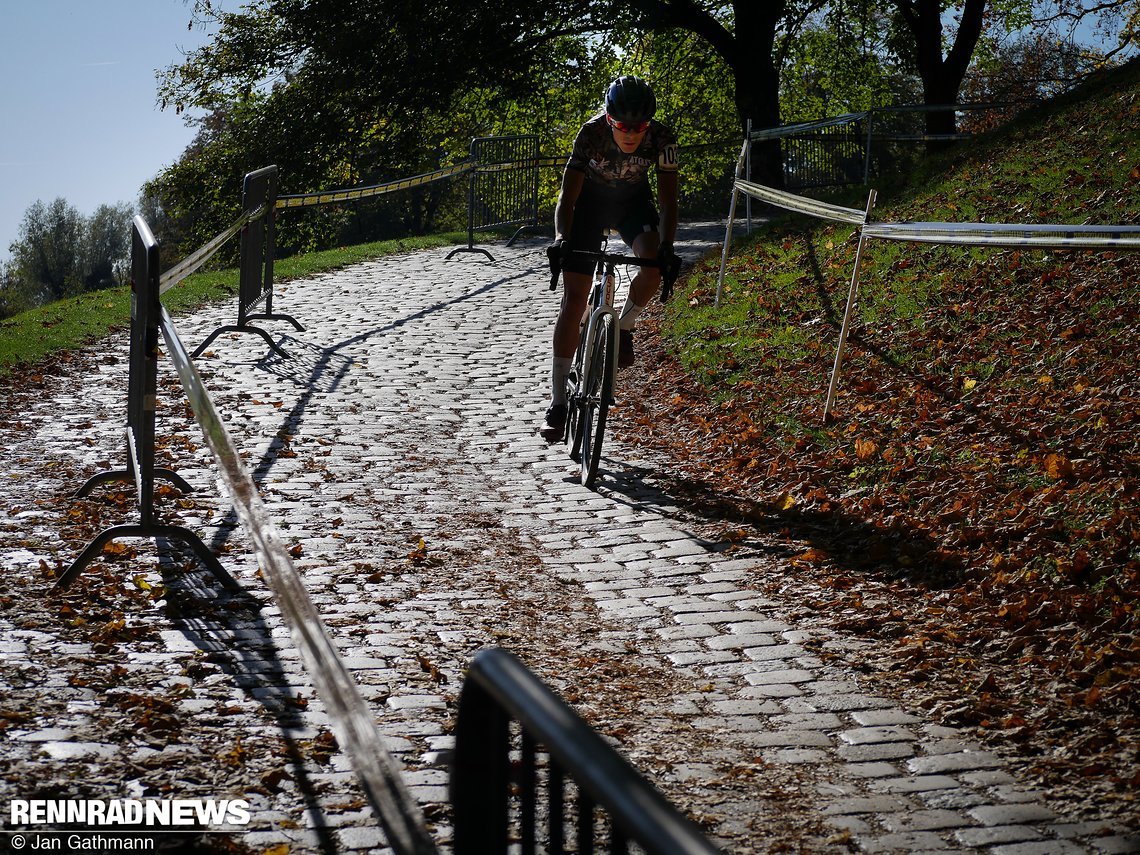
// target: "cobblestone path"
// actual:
[[395, 448]]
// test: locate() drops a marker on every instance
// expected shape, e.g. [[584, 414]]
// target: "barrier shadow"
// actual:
[[229, 629]]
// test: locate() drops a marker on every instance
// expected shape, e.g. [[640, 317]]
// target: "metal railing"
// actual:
[[142, 383], [498, 690], [849, 149], [502, 187]]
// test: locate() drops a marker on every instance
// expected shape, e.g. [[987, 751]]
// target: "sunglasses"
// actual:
[[628, 127]]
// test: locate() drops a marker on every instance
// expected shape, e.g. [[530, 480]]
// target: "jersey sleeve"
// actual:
[[667, 151], [581, 153]]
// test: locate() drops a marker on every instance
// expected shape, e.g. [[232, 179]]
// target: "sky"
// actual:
[[78, 108]]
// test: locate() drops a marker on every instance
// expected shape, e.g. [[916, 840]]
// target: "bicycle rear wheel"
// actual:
[[597, 391]]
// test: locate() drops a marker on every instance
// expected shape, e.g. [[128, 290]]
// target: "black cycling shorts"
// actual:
[[595, 212]]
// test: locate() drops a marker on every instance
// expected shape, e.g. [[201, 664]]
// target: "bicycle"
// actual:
[[593, 373]]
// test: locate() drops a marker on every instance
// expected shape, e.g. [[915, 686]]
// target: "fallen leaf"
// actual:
[[1058, 466]]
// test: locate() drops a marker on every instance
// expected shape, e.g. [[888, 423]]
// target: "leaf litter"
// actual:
[[973, 504]]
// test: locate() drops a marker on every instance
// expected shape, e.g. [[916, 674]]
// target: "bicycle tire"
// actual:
[[595, 401], [573, 436]]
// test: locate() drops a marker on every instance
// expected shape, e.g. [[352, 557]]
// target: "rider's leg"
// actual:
[[575, 290], [645, 283], [585, 234], [641, 291]]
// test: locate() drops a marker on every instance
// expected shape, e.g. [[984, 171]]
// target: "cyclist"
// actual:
[[606, 185]]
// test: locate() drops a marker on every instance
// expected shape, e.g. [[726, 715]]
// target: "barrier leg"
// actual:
[[274, 346], [267, 316], [118, 475], [731, 217], [174, 533], [521, 231], [724, 252], [109, 477], [469, 249]]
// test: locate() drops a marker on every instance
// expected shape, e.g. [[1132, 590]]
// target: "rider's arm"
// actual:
[[572, 180], [667, 199]]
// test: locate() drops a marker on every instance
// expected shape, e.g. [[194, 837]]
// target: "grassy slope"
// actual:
[[32, 337], [984, 449]]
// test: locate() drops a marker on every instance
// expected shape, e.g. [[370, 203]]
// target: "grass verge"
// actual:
[[35, 336]]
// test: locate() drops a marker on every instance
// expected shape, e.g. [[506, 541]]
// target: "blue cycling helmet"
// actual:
[[630, 100]]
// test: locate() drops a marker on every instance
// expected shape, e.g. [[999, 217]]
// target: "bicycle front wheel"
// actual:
[[574, 410], [597, 390]]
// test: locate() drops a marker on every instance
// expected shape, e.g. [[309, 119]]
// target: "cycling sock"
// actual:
[[629, 314], [559, 371]]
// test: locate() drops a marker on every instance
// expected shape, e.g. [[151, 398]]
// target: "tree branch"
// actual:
[[662, 15]]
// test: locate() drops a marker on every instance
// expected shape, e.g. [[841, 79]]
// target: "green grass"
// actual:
[[36, 335]]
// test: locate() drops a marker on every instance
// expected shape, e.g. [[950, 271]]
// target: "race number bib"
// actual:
[[667, 159]]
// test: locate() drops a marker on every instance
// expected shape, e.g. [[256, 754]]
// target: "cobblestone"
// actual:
[[395, 450]]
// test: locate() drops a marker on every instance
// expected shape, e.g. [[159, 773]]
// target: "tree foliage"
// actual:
[[345, 90], [59, 252], [841, 62], [353, 92]]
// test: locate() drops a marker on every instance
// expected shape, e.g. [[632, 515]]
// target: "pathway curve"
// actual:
[[395, 448]]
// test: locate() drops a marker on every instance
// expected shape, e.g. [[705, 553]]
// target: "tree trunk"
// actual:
[[748, 50], [758, 83], [941, 78]]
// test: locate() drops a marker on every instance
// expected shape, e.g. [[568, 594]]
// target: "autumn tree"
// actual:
[[1115, 24], [941, 75], [942, 37], [106, 247], [13, 299], [59, 252], [47, 250]]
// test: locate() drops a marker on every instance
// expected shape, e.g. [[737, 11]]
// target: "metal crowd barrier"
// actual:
[[1045, 236], [840, 150], [498, 690], [255, 287], [502, 190], [502, 187], [141, 393], [147, 286]]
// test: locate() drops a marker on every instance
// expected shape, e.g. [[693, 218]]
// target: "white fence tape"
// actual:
[[1046, 236], [204, 253], [1010, 235], [801, 204]]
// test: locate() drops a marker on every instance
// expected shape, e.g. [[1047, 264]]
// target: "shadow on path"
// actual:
[[229, 629], [852, 541]]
